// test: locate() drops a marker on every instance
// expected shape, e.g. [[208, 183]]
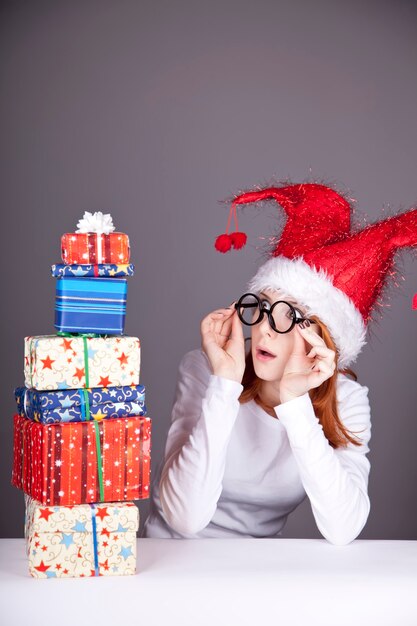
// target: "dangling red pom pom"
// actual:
[[223, 243], [238, 240]]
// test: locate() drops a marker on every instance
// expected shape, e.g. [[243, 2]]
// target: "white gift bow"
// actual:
[[97, 222]]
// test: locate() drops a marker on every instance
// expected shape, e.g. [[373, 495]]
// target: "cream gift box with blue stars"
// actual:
[[84, 540]]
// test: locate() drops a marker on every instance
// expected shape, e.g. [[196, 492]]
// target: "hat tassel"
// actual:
[[236, 240]]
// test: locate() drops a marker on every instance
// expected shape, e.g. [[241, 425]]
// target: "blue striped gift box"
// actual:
[[91, 305]]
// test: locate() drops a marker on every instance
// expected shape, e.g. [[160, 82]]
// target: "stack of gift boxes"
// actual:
[[81, 436]]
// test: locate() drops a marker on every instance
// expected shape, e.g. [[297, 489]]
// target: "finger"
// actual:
[[237, 329], [322, 352], [309, 335], [224, 327], [299, 346], [221, 312], [322, 370], [208, 323], [208, 333], [218, 324], [215, 334], [321, 366], [231, 328], [320, 349]]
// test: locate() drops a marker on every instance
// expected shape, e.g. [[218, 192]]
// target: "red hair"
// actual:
[[323, 398]]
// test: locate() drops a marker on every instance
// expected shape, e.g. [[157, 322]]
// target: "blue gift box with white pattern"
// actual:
[[110, 270], [79, 405], [91, 305]]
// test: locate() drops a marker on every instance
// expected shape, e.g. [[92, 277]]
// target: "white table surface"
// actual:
[[233, 582]]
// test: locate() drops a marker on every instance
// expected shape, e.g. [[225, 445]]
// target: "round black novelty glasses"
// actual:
[[282, 316]]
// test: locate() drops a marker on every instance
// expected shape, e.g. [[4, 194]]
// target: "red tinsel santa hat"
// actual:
[[336, 274]]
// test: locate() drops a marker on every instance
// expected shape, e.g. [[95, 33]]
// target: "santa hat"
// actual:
[[334, 273]]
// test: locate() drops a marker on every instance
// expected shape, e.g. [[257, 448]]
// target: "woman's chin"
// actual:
[[266, 371]]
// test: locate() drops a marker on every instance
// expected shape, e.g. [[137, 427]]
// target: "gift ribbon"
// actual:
[[25, 405], [87, 373], [99, 461], [84, 336], [63, 333], [99, 248], [21, 426], [84, 405], [32, 339], [36, 414], [95, 542]]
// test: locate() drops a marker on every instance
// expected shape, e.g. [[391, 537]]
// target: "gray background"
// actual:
[[155, 111]]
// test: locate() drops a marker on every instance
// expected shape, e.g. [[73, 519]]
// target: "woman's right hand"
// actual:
[[223, 341]]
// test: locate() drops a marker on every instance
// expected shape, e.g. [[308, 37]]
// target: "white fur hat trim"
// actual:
[[314, 290]]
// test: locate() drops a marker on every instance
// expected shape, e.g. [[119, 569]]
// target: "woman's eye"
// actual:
[[298, 314], [290, 314]]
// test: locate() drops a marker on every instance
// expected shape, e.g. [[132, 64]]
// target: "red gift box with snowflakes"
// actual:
[[82, 462]]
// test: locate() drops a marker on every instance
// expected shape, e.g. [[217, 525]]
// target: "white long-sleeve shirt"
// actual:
[[233, 470]]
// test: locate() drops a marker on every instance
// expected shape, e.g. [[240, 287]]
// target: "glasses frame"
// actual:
[[262, 311]]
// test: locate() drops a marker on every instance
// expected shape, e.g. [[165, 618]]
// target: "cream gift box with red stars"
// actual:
[[84, 540], [73, 362]]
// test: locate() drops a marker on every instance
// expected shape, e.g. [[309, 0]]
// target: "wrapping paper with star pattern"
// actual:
[[84, 540], [59, 464], [78, 405], [85, 248], [110, 270], [58, 362]]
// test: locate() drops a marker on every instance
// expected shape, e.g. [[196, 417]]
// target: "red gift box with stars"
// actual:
[[82, 462]]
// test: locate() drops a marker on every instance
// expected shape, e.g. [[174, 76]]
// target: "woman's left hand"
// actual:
[[306, 371]]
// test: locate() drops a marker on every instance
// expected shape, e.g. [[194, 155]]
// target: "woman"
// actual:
[[240, 457], [250, 439]]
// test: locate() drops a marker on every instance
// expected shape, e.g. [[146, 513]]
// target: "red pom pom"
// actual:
[[223, 243], [238, 240]]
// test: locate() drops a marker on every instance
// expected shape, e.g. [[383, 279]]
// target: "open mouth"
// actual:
[[264, 355]]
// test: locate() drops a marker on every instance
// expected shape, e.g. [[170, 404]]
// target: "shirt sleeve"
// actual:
[[335, 479], [203, 416]]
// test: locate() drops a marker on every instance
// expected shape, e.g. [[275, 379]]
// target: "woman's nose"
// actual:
[[265, 326]]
